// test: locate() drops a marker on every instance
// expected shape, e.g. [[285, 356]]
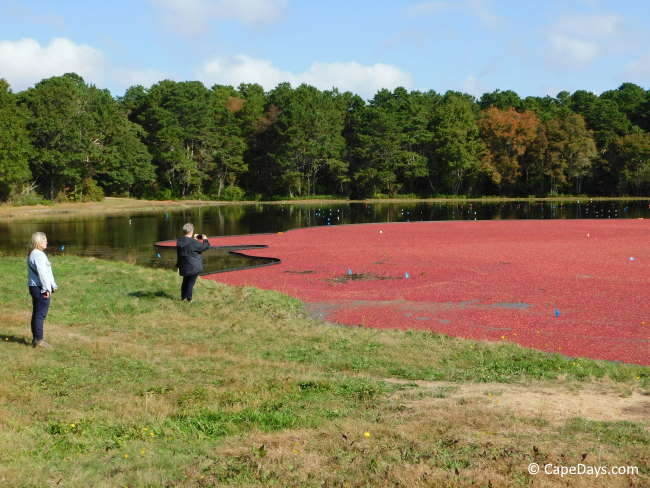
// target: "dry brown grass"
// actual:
[[557, 402], [108, 206], [465, 439]]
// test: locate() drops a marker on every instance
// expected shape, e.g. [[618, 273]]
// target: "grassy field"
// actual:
[[241, 388]]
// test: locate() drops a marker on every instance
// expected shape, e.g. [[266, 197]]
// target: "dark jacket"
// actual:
[[188, 253]]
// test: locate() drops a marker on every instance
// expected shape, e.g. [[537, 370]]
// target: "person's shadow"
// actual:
[[14, 339], [151, 294]]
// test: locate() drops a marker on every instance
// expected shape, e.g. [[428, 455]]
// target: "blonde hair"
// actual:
[[38, 238]]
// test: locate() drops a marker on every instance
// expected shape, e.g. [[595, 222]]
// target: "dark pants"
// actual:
[[187, 286], [40, 306]]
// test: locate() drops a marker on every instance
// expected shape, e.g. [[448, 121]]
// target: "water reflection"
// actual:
[[130, 238]]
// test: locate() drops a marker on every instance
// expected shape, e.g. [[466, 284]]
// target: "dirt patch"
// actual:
[[361, 277], [453, 439], [108, 206], [555, 404]]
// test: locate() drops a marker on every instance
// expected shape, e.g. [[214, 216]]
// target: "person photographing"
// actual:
[[189, 260], [41, 284]]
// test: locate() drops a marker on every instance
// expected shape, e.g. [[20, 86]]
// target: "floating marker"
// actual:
[[381, 231], [632, 258], [557, 313], [406, 275], [349, 272]]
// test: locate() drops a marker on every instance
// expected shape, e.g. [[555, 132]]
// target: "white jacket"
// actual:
[[39, 271]]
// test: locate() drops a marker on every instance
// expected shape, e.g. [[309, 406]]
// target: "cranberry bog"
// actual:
[[575, 287]]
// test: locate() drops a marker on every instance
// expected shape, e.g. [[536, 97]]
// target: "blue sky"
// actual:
[[476, 46]]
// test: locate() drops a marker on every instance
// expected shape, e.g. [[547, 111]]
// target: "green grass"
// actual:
[[615, 433], [143, 390]]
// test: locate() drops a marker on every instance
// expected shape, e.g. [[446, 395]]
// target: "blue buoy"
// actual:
[[349, 272], [557, 313], [632, 258], [406, 275]]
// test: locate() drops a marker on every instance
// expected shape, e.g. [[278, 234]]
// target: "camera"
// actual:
[[200, 236]]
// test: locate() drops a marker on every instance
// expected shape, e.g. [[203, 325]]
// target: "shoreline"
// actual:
[[117, 206]]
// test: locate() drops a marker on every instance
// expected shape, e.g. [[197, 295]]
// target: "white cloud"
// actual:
[[428, 8], [590, 3], [16, 10], [243, 69], [480, 9], [191, 17], [355, 77], [365, 80], [577, 41], [590, 26], [640, 68], [474, 86], [573, 52], [475, 8], [250, 11], [25, 62], [126, 78]]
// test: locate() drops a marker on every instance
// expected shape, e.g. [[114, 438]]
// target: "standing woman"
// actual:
[[40, 281], [189, 260]]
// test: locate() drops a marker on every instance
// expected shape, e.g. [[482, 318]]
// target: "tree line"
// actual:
[[65, 139]]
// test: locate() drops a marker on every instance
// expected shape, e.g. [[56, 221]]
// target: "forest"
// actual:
[[67, 140]]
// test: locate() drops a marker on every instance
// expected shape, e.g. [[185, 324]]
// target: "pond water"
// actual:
[[130, 238]]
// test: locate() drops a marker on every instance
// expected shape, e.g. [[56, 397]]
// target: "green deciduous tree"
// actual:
[[308, 130], [633, 153], [59, 130], [82, 137], [15, 146], [177, 117], [502, 100], [392, 142], [630, 99], [571, 151], [224, 139], [456, 146]]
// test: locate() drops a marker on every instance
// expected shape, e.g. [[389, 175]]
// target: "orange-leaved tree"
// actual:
[[507, 135]]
